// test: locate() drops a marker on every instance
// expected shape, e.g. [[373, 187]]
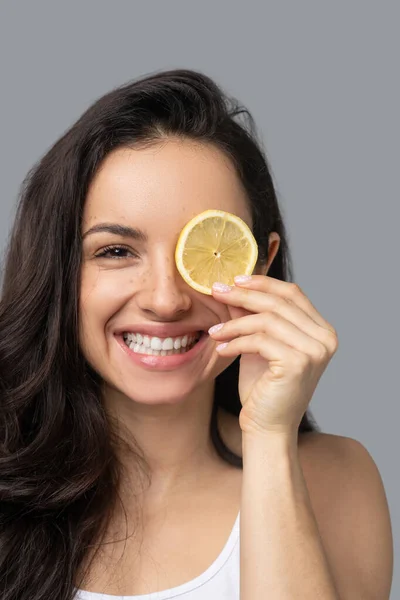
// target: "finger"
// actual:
[[263, 302], [289, 291], [275, 326], [268, 303], [271, 349]]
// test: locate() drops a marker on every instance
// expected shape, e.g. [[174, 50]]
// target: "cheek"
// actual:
[[100, 299], [101, 292], [221, 311], [224, 312]]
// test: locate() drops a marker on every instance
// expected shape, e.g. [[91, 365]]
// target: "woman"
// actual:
[[127, 477]]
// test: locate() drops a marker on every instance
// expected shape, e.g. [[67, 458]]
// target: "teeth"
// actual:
[[156, 343], [168, 344], [159, 350]]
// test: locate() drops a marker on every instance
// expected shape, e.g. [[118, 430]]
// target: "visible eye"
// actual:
[[115, 252]]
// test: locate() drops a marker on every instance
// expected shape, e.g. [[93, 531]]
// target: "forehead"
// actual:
[[165, 184]]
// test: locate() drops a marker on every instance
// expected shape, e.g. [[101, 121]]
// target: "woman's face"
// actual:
[[136, 285]]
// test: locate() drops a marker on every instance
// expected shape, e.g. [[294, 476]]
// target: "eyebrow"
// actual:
[[117, 229]]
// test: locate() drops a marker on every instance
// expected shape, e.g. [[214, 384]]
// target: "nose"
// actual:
[[163, 294]]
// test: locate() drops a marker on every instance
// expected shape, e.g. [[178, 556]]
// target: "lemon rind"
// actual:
[[195, 221]]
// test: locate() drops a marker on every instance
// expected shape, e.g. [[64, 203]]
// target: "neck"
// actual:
[[174, 440]]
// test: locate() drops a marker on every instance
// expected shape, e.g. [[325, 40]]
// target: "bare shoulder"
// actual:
[[350, 505], [328, 450]]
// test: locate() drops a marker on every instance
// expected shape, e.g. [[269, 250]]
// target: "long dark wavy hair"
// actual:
[[58, 483]]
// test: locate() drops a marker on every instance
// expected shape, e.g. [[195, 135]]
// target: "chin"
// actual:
[[154, 394]]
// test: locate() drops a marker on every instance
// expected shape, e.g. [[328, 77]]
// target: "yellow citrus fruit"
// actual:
[[215, 246]]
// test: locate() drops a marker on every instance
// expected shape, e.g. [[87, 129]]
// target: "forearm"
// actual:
[[281, 552]]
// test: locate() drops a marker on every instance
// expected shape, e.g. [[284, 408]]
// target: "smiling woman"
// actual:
[[197, 468]]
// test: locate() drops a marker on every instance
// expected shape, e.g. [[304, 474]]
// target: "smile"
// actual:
[[155, 346]]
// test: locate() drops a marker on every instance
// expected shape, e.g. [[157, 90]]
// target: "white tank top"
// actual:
[[221, 581]]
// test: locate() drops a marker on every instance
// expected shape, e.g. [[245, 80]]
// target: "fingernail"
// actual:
[[215, 328], [221, 287], [242, 278], [221, 346]]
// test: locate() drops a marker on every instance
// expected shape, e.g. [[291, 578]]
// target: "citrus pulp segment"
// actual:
[[215, 246]]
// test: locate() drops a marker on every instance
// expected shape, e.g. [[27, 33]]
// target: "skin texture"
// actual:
[[158, 190], [322, 494]]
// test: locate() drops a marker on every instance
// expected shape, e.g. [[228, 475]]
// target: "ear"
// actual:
[[273, 247]]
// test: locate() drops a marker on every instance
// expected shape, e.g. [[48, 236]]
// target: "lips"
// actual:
[[163, 363]]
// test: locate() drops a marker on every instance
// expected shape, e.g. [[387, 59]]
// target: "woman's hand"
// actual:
[[285, 346]]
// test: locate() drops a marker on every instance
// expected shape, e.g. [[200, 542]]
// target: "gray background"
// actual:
[[322, 81]]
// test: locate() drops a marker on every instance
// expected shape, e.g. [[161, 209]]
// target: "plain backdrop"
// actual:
[[322, 82]]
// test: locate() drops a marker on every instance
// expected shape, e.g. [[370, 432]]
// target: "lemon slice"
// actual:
[[215, 246]]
